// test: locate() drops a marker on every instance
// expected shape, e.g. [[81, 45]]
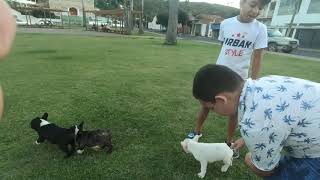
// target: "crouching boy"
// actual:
[[274, 113]]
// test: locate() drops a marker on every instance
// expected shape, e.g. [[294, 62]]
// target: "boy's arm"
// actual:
[[231, 128], [257, 171], [7, 29], [257, 56], [202, 116], [256, 63]]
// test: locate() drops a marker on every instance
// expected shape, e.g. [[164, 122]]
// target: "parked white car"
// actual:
[[20, 22], [44, 22], [276, 42], [98, 22]]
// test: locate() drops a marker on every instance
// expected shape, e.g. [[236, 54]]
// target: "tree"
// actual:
[[163, 18], [108, 4], [151, 7], [141, 18], [183, 17], [171, 36], [196, 8], [297, 4], [128, 6]]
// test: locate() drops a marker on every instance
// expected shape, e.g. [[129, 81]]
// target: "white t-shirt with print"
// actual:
[[278, 113], [239, 41]]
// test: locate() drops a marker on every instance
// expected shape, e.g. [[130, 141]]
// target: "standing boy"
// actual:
[[243, 38]]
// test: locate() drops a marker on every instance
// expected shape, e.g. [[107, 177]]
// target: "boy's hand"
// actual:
[[236, 153], [7, 29], [228, 143], [194, 136], [238, 144]]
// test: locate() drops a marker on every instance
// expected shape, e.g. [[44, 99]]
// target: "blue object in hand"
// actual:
[[192, 135]]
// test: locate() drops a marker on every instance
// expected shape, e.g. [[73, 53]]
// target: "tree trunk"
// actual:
[[297, 4], [141, 18], [171, 37], [128, 18]]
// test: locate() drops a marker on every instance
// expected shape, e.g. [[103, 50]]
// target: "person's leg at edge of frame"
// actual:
[[296, 169]]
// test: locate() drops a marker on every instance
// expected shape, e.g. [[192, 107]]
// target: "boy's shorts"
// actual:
[[297, 169]]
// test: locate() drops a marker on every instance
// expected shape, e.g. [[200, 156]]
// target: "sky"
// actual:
[[233, 3]]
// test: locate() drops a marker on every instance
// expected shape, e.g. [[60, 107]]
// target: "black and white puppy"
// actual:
[[63, 137], [96, 139]]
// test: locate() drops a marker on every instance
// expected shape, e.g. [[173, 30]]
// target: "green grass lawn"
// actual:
[[137, 87]]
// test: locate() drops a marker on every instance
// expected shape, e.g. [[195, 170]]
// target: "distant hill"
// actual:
[[207, 8]]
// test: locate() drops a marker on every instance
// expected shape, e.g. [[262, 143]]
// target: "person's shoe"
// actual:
[[194, 136]]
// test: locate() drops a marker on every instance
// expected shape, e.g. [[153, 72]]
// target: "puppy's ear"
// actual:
[[81, 126], [45, 116]]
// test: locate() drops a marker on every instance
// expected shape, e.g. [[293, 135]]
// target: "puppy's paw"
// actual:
[[224, 168], [201, 175], [36, 142], [80, 151]]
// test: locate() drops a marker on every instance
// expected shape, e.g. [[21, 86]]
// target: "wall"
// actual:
[[66, 4], [282, 19]]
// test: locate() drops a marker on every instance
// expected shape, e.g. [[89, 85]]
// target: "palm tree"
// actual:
[[128, 16], [171, 37], [141, 18], [297, 4]]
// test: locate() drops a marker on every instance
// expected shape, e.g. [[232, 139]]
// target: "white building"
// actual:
[[308, 14], [206, 25], [73, 6], [24, 2], [153, 25], [267, 13], [306, 24]]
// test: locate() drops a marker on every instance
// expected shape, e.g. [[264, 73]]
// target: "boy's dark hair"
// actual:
[[212, 79]]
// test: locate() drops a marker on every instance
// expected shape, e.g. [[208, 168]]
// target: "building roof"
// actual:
[[207, 19], [112, 12]]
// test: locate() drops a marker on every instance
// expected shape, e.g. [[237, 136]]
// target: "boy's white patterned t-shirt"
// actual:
[[278, 112], [239, 40]]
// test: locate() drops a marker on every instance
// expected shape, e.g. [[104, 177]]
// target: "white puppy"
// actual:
[[207, 153]]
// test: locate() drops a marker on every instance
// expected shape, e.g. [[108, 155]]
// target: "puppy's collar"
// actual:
[[44, 122]]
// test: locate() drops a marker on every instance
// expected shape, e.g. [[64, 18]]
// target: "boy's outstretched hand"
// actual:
[[7, 29], [194, 136], [238, 144]]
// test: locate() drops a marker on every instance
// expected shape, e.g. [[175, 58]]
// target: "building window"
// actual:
[[73, 11], [286, 7], [314, 7]]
